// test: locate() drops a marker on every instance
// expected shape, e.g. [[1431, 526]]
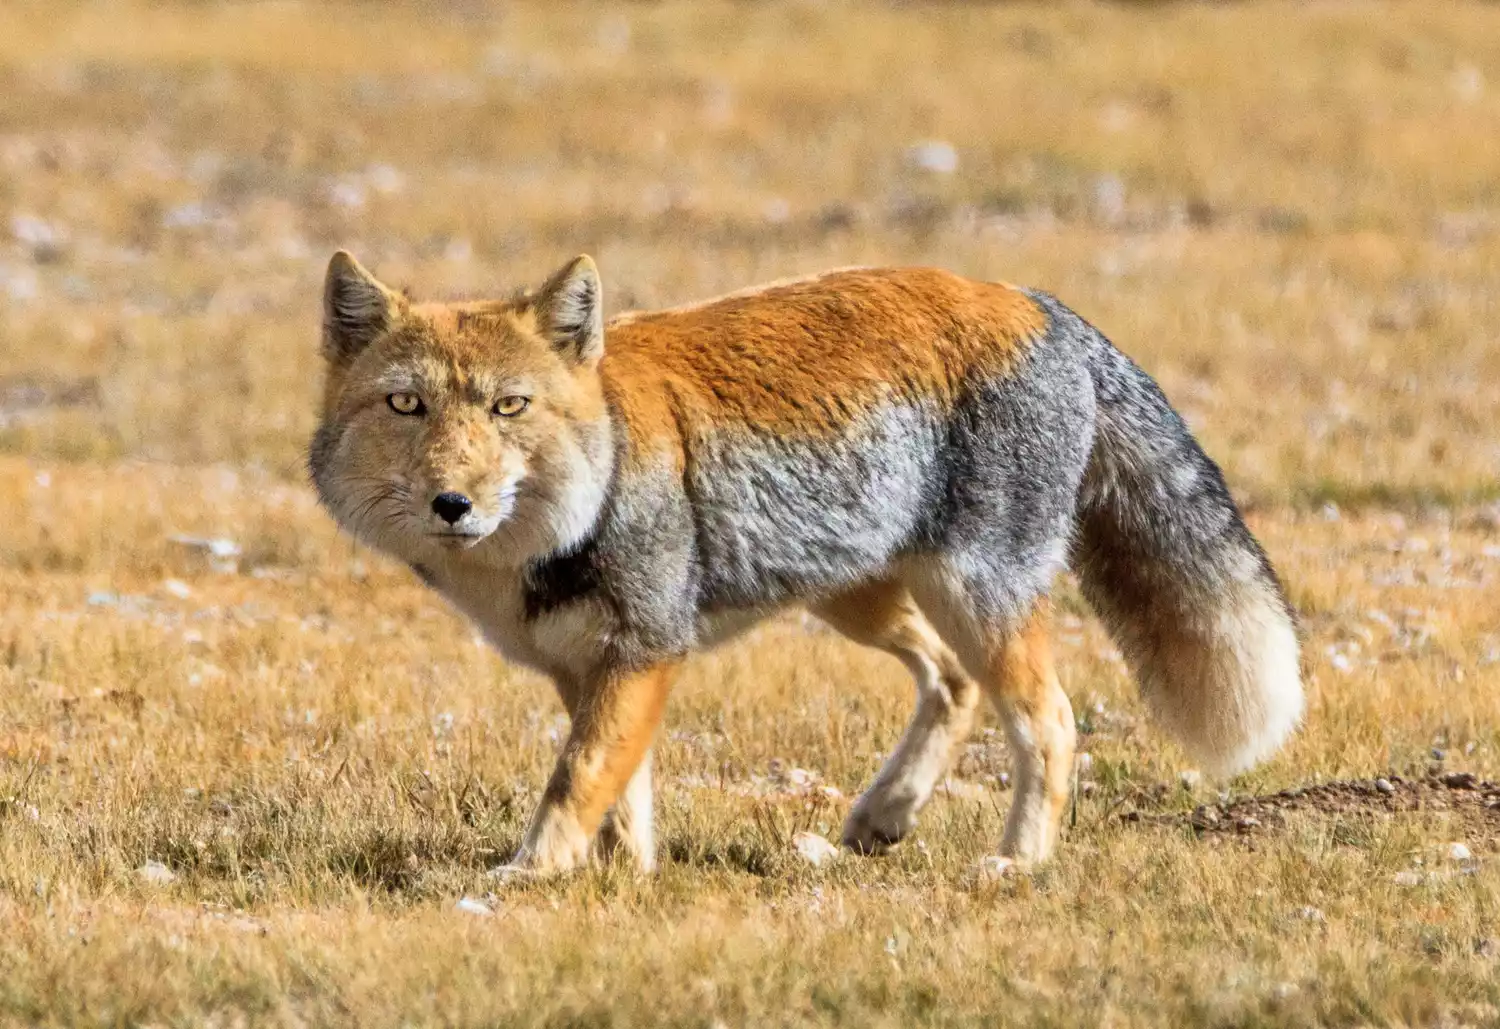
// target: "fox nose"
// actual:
[[450, 507]]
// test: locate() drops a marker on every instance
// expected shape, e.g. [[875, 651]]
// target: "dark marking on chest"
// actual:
[[561, 579], [425, 574]]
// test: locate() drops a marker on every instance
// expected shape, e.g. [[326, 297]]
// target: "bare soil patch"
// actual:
[[1462, 793]]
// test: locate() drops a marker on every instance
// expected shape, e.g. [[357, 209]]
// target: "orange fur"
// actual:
[[824, 350]]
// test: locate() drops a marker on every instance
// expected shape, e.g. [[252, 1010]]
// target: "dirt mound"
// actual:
[[1451, 791]]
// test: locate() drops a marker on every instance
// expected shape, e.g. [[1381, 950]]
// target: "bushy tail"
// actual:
[[1183, 586]]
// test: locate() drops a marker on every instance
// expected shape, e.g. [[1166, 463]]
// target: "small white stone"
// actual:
[[815, 850], [1468, 82], [1109, 198], [1384, 786], [799, 777], [934, 156], [1459, 852], [471, 906], [384, 179], [347, 194], [177, 588], [1190, 778], [156, 873], [219, 547], [1407, 878]]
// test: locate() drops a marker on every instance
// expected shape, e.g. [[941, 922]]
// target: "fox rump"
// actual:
[[911, 455]]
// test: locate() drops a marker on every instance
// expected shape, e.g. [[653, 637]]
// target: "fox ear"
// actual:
[[356, 308], [570, 310]]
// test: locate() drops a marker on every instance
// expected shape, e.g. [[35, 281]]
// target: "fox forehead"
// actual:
[[423, 373], [472, 349]]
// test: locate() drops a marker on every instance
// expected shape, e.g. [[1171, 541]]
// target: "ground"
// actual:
[[249, 771]]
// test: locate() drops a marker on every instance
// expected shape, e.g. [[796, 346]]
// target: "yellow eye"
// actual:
[[405, 403], [509, 407]]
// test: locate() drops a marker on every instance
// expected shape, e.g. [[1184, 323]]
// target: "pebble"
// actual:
[[471, 906], [1459, 852], [934, 156], [216, 547], [1407, 878], [815, 850], [1384, 786], [156, 873]]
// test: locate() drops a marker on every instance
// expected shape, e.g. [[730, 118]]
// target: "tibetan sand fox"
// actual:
[[911, 455]]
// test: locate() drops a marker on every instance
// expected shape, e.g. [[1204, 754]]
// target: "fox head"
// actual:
[[447, 427]]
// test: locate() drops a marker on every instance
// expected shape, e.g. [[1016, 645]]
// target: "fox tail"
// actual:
[[1184, 588]]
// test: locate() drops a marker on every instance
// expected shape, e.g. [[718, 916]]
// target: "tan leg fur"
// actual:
[[883, 615], [1019, 676]]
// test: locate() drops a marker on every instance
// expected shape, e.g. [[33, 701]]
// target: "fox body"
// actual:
[[910, 454]]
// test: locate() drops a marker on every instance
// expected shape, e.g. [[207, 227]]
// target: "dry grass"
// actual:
[[1289, 213]]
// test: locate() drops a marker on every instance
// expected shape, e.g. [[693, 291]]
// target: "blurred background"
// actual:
[[1289, 212]]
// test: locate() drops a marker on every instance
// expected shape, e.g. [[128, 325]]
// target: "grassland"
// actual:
[[1289, 213]]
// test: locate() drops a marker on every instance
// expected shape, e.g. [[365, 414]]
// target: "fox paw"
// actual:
[[555, 844], [874, 828]]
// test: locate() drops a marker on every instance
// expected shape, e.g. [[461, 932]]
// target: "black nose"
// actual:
[[450, 507]]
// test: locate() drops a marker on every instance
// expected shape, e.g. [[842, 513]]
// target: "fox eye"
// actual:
[[509, 407], [405, 403]]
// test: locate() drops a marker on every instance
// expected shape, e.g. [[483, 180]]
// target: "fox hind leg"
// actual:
[[1011, 658], [883, 615], [1022, 681]]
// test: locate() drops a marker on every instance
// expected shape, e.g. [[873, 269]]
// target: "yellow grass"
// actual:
[[1288, 212]]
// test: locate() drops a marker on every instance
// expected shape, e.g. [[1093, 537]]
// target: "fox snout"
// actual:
[[459, 517], [451, 507]]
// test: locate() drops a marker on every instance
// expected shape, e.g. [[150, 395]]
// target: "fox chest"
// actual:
[[561, 640]]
